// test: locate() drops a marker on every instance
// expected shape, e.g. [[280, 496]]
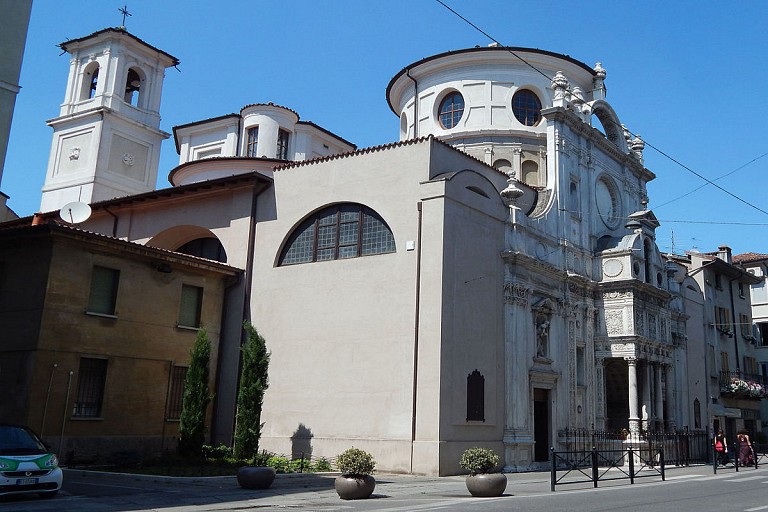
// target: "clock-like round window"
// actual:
[[451, 109], [527, 107], [608, 203]]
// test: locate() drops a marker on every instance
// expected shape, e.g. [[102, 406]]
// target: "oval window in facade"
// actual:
[[527, 107], [451, 110]]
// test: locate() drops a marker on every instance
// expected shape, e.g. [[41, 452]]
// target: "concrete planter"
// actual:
[[354, 487], [486, 485], [255, 477]]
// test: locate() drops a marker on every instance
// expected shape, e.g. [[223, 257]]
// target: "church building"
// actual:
[[492, 278]]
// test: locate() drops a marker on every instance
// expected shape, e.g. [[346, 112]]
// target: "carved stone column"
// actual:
[[634, 419], [646, 395], [659, 396], [669, 393]]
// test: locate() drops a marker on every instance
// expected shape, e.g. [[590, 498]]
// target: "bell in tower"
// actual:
[[106, 139]]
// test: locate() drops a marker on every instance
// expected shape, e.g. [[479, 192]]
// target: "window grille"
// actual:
[[91, 378]]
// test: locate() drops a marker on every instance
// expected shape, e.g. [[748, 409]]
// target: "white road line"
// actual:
[[745, 479], [764, 507], [682, 477]]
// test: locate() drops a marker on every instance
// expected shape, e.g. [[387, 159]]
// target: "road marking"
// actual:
[[681, 477], [764, 507], [745, 479]]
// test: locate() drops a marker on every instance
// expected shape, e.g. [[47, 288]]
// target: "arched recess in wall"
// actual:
[[610, 123], [192, 240], [338, 231], [530, 172]]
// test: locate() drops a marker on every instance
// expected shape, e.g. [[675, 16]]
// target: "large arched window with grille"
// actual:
[[338, 232]]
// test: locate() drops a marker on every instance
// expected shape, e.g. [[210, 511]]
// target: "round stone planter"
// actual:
[[487, 485], [255, 477], [354, 487]]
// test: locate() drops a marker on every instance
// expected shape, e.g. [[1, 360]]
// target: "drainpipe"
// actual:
[[114, 222], [733, 319], [416, 328], [47, 397], [64, 419], [415, 106]]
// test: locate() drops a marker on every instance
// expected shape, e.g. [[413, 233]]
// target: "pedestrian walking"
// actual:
[[746, 455], [721, 448]]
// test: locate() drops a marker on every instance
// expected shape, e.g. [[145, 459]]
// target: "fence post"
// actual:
[[714, 460], [662, 463], [631, 455], [553, 470], [594, 466]]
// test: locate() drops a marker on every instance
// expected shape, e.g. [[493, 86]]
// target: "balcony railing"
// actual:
[[743, 385]]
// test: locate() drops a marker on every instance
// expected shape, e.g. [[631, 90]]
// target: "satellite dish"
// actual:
[[75, 212]]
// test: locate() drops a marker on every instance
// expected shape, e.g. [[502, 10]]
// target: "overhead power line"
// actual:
[[652, 146]]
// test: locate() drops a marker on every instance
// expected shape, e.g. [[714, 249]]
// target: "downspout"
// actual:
[[416, 329], [415, 107], [248, 288], [114, 222], [733, 317]]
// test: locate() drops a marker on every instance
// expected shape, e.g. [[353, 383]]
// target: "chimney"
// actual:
[[724, 253]]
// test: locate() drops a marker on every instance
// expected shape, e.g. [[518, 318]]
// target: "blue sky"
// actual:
[[689, 77]]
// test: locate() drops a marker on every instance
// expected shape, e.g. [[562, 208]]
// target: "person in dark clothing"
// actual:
[[721, 448]]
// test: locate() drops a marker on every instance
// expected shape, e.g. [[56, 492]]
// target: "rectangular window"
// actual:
[[724, 366], [745, 326], [712, 361], [91, 378], [252, 143], [763, 339], [282, 144], [723, 319], [103, 297], [718, 281], [191, 305], [176, 392], [750, 366]]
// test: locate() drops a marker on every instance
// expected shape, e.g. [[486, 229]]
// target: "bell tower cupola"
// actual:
[[106, 139]]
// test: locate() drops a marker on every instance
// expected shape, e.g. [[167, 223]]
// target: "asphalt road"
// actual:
[[685, 490]]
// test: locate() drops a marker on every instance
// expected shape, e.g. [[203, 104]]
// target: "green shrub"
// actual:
[[322, 464], [217, 452], [280, 463], [262, 458], [355, 462], [479, 460]]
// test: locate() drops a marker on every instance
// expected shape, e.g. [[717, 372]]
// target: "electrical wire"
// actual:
[[623, 128]]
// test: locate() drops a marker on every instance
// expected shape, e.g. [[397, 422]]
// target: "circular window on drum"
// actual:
[[608, 204], [451, 109], [527, 107]]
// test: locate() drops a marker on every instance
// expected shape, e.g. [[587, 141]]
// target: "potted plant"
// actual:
[[484, 479], [355, 481]]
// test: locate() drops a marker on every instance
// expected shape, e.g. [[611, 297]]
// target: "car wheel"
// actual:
[[49, 494]]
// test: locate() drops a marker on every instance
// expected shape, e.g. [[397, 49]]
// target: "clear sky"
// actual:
[[690, 77]]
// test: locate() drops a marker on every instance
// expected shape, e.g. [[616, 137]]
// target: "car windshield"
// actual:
[[19, 441]]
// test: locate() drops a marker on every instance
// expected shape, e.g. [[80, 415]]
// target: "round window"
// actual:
[[527, 107], [451, 110], [607, 200]]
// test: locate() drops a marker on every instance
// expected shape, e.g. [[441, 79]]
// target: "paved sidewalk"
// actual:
[[316, 491]]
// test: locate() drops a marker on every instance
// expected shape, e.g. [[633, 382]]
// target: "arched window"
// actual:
[[341, 231], [90, 80], [451, 110], [133, 87], [209, 248], [527, 107]]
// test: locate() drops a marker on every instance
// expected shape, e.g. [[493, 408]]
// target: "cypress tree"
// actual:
[[197, 396], [250, 397]]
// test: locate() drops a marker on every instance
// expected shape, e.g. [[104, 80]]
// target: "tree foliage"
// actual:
[[197, 396], [250, 397]]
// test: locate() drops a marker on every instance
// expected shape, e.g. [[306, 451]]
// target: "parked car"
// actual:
[[26, 464]]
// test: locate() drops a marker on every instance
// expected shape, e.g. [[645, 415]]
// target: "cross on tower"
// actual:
[[124, 11]]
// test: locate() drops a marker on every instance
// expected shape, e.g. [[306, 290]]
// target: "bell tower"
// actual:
[[106, 139]]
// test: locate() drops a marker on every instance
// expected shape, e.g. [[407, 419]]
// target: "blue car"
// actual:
[[26, 464]]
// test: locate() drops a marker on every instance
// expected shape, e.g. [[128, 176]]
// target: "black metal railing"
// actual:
[[596, 465], [682, 447]]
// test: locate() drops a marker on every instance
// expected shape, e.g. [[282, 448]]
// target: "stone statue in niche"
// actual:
[[542, 336]]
